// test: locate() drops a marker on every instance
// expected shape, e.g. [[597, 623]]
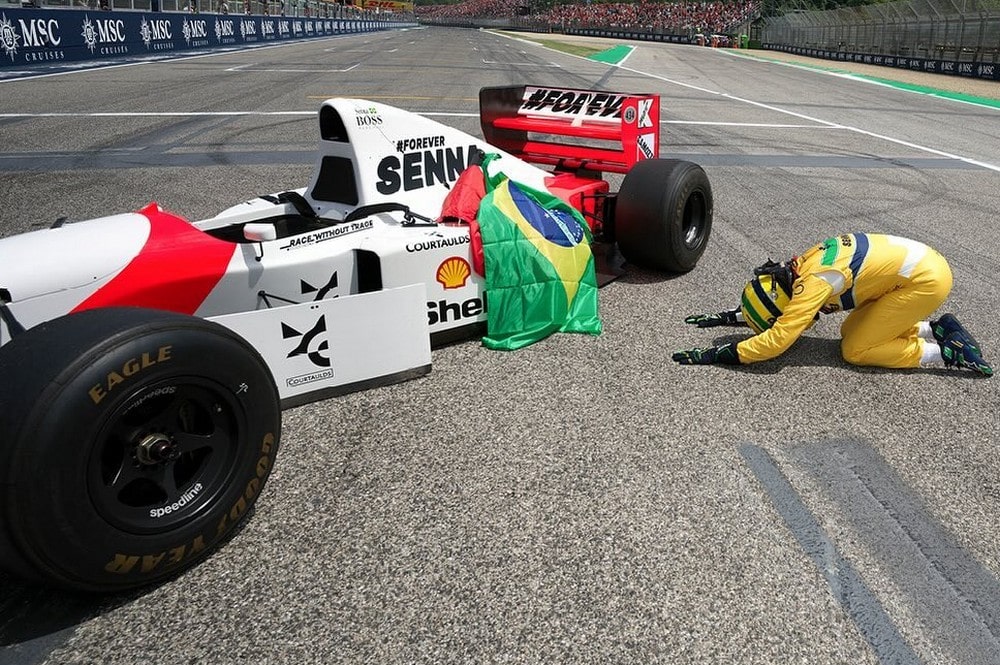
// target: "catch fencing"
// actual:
[[961, 35]]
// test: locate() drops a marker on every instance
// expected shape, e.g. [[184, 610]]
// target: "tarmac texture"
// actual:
[[583, 500]]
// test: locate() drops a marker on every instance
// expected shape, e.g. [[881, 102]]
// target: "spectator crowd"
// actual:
[[471, 9], [710, 17]]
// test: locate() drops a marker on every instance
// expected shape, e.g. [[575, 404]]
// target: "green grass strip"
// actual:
[[959, 96], [614, 55], [899, 85]]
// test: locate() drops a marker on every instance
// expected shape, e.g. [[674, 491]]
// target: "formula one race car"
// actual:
[[145, 359]]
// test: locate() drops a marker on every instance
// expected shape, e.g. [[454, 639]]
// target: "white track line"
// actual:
[[820, 121]]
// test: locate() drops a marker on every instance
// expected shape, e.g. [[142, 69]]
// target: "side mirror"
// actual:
[[259, 232]]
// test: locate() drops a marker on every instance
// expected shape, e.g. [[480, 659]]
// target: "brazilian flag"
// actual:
[[540, 275]]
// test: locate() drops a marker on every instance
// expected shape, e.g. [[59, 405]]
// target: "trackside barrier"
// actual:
[[32, 36], [980, 70], [955, 67]]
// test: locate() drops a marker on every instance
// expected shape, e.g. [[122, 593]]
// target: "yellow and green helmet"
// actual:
[[766, 296]]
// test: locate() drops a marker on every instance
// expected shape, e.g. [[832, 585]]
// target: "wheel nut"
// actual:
[[156, 448]]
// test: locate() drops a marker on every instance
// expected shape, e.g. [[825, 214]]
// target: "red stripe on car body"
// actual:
[[175, 270]]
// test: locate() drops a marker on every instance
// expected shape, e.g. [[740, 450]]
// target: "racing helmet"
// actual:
[[766, 296]]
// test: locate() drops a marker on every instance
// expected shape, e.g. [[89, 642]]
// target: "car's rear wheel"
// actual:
[[663, 214], [133, 442]]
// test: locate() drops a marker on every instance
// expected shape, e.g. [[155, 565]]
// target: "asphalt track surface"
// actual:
[[584, 500]]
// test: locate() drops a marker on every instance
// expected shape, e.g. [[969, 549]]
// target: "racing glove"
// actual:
[[725, 355], [727, 318]]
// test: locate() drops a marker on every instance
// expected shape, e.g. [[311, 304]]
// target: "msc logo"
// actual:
[[194, 30], [8, 37], [248, 30], [157, 30], [224, 29], [312, 344], [33, 33], [104, 36]]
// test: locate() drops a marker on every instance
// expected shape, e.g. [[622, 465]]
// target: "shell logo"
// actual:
[[453, 272]]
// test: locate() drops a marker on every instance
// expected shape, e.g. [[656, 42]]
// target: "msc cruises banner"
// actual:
[[29, 37], [981, 70]]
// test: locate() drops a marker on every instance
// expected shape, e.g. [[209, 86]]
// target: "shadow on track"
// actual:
[[34, 621]]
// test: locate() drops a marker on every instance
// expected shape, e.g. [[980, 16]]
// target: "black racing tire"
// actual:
[[663, 214], [133, 443]]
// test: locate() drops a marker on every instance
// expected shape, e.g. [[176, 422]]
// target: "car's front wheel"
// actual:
[[133, 442]]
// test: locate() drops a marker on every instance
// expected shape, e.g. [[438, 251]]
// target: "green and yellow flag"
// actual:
[[540, 275]]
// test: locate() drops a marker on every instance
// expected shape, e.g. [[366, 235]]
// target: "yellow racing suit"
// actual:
[[888, 283]]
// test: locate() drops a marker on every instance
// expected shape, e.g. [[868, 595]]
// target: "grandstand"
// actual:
[[935, 35], [654, 17]]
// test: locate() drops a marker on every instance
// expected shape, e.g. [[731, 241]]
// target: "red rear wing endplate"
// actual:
[[524, 119]]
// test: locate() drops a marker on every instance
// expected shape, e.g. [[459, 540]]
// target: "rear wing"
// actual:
[[524, 120]]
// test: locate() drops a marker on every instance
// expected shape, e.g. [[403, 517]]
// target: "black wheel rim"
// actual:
[[165, 454], [695, 214]]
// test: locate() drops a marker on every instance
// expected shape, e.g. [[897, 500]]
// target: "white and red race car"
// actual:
[[144, 375]]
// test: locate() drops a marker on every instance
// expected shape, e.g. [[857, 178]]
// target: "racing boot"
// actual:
[[959, 349], [948, 324]]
